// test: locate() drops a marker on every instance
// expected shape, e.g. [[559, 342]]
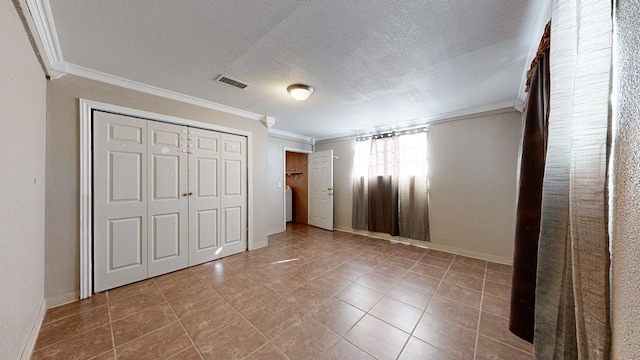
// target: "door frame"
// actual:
[[284, 180], [86, 181]]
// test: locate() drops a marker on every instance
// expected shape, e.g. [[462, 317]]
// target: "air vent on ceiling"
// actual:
[[231, 82]]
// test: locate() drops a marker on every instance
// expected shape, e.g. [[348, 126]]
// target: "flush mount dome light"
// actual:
[[300, 91]]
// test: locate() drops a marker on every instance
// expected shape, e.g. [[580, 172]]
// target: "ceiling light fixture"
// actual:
[[300, 92]]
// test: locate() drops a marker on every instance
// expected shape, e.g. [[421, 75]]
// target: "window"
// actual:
[[390, 184]]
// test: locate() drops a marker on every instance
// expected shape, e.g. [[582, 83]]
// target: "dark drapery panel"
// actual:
[[383, 205], [531, 174], [414, 208], [359, 206]]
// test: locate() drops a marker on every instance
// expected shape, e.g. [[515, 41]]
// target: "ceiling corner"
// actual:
[[40, 11], [543, 15]]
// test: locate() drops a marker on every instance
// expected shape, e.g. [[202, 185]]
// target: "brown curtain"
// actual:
[[393, 197], [532, 163], [360, 200], [414, 208], [383, 205]]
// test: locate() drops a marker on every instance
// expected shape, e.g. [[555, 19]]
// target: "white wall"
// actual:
[[472, 174], [22, 118], [275, 177]]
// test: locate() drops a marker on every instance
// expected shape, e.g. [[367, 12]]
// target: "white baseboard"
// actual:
[[35, 330], [258, 245], [430, 245], [62, 299]]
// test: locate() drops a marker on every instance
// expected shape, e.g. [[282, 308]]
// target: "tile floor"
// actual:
[[311, 294]]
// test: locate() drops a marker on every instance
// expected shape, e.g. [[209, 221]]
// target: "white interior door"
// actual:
[[204, 202], [120, 200], [168, 198], [233, 197], [321, 189]]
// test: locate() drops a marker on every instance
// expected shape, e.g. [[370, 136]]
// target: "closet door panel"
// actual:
[[128, 188], [168, 198], [165, 235], [207, 230], [233, 200], [232, 225], [125, 243], [206, 173], [166, 177], [204, 203], [120, 200]]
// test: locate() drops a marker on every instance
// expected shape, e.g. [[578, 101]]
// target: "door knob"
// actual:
[[185, 194], [330, 188]]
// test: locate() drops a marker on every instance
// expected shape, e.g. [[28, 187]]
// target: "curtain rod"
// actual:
[[390, 133]]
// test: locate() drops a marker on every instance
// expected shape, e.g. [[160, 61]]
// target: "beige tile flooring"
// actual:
[[311, 294]]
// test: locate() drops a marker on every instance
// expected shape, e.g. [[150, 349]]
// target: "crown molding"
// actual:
[[40, 11], [56, 66], [494, 108], [268, 121], [289, 135], [153, 90], [518, 105], [543, 14]]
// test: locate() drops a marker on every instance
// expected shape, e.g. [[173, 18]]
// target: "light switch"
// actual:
[[279, 184]]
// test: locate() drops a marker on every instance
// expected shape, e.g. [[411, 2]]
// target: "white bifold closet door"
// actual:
[[233, 197], [166, 197], [204, 202], [119, 200]]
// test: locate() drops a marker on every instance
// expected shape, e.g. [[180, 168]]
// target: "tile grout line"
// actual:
[[327, 299], [154, 330], [501, 298], [242, 316], [113, 337], [404, 346], [179, 321], [70, 337], [306, 314], [385, 294], [372, 306], [426, 307], [484, 281]]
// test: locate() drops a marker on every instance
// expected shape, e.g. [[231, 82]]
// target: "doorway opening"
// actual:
[[297, 179]]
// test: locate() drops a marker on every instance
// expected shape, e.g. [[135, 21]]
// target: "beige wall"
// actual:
[[342, 167], [22, 180], [472, 176], [625, 207], [472, 179], [276, 178], [63, 168]]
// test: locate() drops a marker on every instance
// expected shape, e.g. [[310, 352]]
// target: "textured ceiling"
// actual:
[[372, 63]]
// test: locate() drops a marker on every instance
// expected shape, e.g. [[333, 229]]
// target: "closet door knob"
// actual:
[[185, 194]]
